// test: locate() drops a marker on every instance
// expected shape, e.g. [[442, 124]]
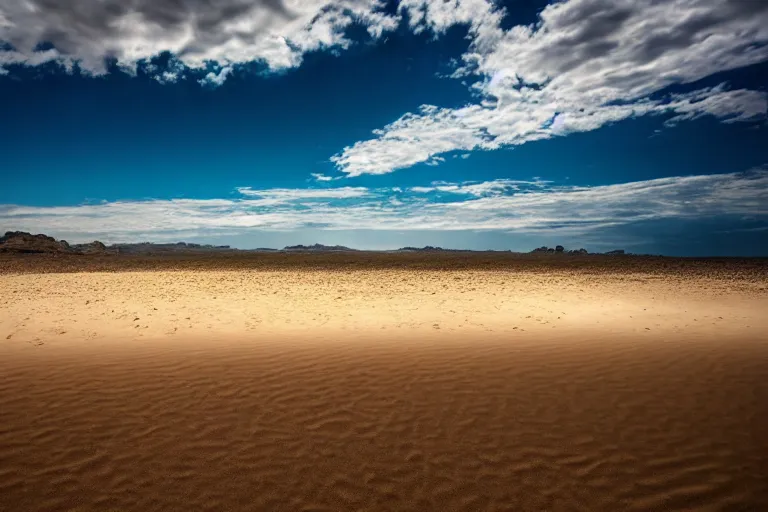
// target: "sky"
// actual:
[[476, 124]]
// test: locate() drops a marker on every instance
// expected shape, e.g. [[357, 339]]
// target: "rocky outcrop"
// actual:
[[426, 248], [94, 247], [23, 242], [559, 250]]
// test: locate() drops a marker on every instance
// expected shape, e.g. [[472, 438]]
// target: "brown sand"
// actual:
[[636, 385]]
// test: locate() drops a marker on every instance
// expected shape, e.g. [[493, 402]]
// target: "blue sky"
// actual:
[[466, 124]]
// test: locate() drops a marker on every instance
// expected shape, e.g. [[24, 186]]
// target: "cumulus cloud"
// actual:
[[525, 207], [584, 64], [227, 32]]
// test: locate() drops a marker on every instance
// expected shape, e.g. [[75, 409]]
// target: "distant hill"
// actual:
[[562, 250], [152, 248], [23, 242], [317, 247], [426, 248], [430, 248]]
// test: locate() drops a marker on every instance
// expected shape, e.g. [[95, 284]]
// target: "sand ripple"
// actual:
[[390, 389], [441, 424]]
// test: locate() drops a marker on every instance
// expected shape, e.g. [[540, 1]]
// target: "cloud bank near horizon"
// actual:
[[525, 207]]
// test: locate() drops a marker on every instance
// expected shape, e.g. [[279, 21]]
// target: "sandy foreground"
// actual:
[[383, 389]]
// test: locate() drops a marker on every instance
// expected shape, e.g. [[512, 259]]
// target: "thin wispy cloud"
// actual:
[[290, 194], [486, 188], [539, 208], [321, 177]]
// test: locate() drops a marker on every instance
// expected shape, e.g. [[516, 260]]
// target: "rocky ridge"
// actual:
[[23, 242]]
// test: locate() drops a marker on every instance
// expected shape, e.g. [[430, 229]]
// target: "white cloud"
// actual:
[[32, 59], [730, 106], [414, 138], [216, 79], [486, 188], [227, 32], [171, 73], [481, 16], [320, 177], [585, 64], [540, 208], [290, 194], [435, 161]]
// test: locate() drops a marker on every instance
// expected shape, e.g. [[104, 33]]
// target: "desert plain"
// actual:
[[383, 382]]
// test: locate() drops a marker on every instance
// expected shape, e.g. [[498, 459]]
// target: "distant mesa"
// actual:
[[559, 249], [426, 248], [317, 248], [429, 248]]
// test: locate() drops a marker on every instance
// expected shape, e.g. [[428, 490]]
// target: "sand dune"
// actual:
[[383, 389]]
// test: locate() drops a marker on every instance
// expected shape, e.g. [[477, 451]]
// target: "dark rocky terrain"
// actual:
[[152, 248], [22, 242], [317, 247], [561, 250]]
